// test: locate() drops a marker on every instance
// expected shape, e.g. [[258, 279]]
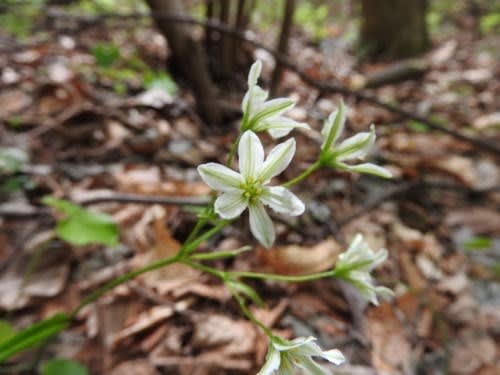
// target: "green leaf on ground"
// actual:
[[6, 331], [82, 227], [105, 55], [418, 126], [478, 243], [63, 367], [33, 335], [160, 80]]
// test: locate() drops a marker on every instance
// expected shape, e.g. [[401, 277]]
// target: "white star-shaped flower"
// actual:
[[355, 264], [283, 356], [355, 147], [260, 114], [248, 188]]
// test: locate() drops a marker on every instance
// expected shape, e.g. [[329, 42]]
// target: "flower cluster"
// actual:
[[260, 114], [356, 263], [248, 188], [284, 355], [356, 147]]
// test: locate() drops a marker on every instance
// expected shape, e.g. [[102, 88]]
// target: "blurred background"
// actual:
[[112, 105]]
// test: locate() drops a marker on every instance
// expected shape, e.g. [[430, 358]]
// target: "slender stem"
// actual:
[[187, 248], [232, 151], [122, 279], [248, 313], [285, 278], [220, 254], [303, 175], [207, 269]]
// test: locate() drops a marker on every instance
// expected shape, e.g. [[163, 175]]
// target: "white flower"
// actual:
[[355, 147], [260, 114], [355, 265], [248, 188], [284, 355]]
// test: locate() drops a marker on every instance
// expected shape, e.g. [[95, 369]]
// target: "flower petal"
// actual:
[[277, 160], [370, 169], [253, 98], [282, 200], [312, 367], [273, 359], [261, 225], [220, 177], [251, 155], [334, 126], [274, 107], [280, 126], [254, 73], [284, 345], [334, 356], [357, 146], [230, 205]]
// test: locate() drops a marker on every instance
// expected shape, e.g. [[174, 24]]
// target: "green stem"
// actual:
[[303, 175], [285, 278], [187, 248], [232, 151], [248, 313]]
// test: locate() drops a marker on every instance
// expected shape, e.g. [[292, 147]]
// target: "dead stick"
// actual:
[[325, 87]]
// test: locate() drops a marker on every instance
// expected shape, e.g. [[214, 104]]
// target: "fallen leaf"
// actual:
[[301, 260]]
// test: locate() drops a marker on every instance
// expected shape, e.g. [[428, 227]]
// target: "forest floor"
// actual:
[[80, 122]]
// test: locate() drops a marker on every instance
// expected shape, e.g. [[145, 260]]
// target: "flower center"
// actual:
[[252, 190]]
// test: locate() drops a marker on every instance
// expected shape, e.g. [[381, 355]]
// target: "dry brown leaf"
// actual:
[[391, 344], [481, 220], [469, 356], [149, 319], [135, 367], [300, 260]]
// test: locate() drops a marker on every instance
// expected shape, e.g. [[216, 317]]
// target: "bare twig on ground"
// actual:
[[283, 60]]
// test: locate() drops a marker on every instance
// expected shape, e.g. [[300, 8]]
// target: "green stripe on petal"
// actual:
[[282, 200], [334, 126], [278, 159], [274, 107], [273, 360], [251, 155], [230, 205], [357, 146], [261, 225], [220, 177], [370, 168]]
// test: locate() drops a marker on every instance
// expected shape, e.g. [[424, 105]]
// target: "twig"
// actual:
[[323, 86], [32, 212], [145, 199], [406, 187]]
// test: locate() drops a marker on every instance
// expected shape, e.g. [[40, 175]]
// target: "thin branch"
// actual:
[[323, 86], [32, 212]]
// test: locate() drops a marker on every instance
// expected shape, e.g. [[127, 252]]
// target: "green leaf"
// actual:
[[161, 80], [82, 227], [418, 126], [6, 331], [105, 55], [478, 243], [63, 367], [490, 22], [33, 335]]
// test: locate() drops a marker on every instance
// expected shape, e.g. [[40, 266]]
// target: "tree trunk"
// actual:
[[189, 58], [394, 28]]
